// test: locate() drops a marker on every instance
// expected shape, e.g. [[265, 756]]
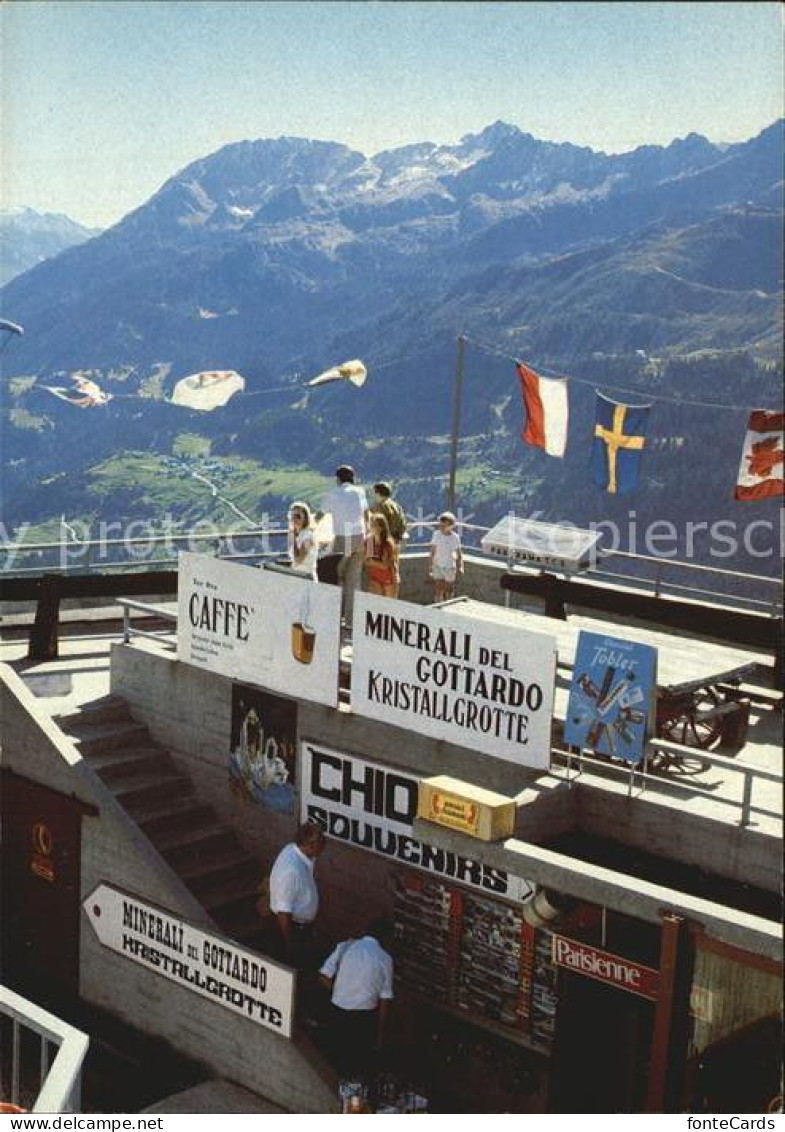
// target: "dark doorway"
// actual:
[[602, 1048], [39, 891]]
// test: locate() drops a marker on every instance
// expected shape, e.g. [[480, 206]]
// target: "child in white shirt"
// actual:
[[446, 560]]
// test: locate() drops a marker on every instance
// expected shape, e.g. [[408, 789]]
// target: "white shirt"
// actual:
[[292, 885], [304, 541], [347, 504], [363, 974], [446, 547]]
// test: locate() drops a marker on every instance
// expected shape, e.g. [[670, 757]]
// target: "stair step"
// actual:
[[168, 816], [137, 793], [104, 709], [181, 845], [226, 893], [120, 764], [101, 737], [240, 921], [201, 864], [240, 875]]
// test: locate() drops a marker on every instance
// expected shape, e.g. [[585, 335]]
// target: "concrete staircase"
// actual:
[[141, 774]]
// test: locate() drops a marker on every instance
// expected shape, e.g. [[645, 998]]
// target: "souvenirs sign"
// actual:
[[373, 807], [476, 683], [248, 984], [268, 628], [625, 974], [611, 703]]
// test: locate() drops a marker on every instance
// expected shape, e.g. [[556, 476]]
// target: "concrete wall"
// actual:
[[115, 852], [188, 710]]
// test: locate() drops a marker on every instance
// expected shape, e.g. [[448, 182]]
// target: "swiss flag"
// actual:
[[547, 411], [761, 469]]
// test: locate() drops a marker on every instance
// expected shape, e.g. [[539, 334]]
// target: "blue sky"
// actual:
[[103, 100]]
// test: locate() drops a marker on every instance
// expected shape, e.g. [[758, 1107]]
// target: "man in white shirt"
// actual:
[[294, 897], [360, 973], [348, 506]]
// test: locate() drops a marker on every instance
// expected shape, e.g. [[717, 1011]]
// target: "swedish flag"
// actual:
[[619, 437]]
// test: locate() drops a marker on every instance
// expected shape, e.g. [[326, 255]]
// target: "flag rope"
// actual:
[[491, 349]]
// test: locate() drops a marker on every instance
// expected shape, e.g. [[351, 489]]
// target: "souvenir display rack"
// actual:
[[475, 957]]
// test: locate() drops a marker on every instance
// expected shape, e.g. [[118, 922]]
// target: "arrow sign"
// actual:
[[216, 968]]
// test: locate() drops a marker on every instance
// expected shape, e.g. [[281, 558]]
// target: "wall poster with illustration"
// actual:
[[262, 758], [612, 696]]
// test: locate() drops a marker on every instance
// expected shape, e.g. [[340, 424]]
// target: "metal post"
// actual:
[[746, 802], [658, 580], [456, 424]]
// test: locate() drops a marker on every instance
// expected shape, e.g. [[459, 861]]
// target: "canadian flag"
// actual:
[[547, 411], [761, 471]]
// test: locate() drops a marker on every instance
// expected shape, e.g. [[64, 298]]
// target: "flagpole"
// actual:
[[456, 424]]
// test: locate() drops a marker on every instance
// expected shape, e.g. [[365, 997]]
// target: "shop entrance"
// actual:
[[602, 1048], [39, 891]]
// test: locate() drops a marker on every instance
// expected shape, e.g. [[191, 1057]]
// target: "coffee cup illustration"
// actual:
[[303, 642]]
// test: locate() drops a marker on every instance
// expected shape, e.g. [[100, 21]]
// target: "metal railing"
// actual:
[[679, 756], [90, 555], [59, 1080], [650, 574], [130, 630]]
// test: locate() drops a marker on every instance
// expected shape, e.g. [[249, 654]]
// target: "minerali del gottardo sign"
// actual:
[[475, 683], [219, 970]]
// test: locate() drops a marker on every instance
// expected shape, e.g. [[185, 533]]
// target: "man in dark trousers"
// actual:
[[360, 975], [294, 897]]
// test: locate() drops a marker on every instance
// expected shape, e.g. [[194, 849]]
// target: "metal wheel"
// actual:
[[685, 726]]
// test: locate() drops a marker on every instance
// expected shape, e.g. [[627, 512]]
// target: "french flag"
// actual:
[[547, 411]]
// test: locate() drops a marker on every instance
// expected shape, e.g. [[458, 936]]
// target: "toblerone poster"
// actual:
[[612, 695]]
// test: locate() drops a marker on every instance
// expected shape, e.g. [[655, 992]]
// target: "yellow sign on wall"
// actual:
[[466, 808]]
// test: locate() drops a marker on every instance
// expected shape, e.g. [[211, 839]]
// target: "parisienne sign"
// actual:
[[250, 985], [476, 683], [369, 806], [267, 628], [605, 967]]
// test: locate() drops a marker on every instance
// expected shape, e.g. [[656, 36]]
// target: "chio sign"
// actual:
[[606, 968]]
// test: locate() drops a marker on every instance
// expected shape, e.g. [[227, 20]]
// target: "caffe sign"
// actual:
[[267, 628], [479, 684]]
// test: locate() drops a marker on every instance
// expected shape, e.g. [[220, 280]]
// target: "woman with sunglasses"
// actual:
[[303, 550]]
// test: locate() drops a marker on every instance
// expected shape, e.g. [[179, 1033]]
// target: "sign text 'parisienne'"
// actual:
[[475, 683]]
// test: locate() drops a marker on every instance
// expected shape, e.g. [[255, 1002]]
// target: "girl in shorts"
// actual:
[[381, 562], [446, 560]]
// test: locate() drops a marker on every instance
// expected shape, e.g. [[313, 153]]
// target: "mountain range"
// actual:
[[28, 237], [281, 256]]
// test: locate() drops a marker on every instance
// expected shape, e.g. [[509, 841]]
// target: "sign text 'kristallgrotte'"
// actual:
[[248, 984], [478, 684]]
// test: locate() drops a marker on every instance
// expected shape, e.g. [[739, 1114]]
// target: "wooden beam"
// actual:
[[738, 626], [671, 1016]]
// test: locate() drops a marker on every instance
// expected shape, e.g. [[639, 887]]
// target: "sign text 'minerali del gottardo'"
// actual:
[[476, 683], [248, 984], [369, 806]]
